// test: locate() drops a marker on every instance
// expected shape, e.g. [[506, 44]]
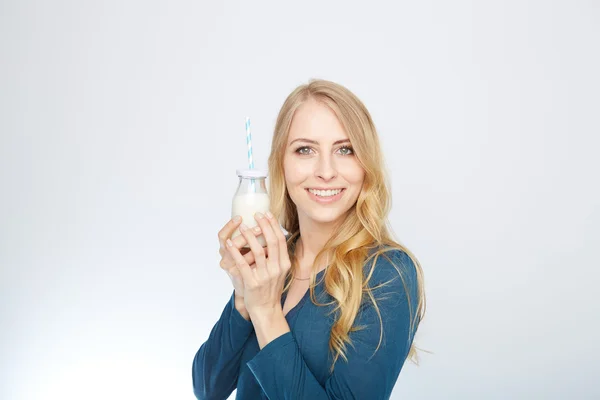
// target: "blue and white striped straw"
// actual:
[[249, 143]]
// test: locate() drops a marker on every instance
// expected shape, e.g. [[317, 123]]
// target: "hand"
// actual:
[[263, 284], [227, 263]]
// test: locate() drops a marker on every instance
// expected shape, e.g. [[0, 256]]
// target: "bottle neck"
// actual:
[[252, 185]]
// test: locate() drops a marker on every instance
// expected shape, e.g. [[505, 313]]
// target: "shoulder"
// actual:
[[392, 288], [392, 276], [391, 264]]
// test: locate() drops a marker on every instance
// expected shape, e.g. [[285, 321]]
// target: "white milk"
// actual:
[[246, 205]]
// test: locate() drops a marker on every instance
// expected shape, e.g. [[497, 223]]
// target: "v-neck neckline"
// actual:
[[305, 297]]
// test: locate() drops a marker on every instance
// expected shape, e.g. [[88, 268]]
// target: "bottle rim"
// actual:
[[251, 173]]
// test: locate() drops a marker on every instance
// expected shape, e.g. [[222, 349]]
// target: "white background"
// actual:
[[122, 124]]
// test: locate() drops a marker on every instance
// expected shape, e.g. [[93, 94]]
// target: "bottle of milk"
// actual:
[[250, 197]]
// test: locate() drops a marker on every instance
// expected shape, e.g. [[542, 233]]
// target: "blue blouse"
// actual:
[[296, 365]]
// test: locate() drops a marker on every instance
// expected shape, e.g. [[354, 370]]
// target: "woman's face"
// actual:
[[322, 175]]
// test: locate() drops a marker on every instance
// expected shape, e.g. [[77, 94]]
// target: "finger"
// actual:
[[228, 263], [284, 257], [240, 241], [272, 244], [226, 232], [234, 272], [249, 257], [223, 251], [257, 249], [240, 262]]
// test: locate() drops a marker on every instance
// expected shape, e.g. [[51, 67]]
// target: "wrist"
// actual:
[[240, 306], [269, 324], [266, 313]]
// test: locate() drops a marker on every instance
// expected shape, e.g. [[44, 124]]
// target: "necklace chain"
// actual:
[[305, 279], [301, 279]]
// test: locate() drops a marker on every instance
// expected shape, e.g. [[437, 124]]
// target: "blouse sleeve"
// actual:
[[216, 365], [283, 374]]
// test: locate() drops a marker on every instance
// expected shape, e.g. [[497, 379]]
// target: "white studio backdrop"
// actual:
[[122, 124]]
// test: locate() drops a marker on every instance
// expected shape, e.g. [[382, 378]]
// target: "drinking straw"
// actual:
[[249, 143]]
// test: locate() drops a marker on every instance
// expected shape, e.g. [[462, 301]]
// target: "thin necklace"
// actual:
[[305, 279], [301, 279]]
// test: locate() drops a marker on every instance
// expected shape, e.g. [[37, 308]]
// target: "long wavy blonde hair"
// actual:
[[366, 226]]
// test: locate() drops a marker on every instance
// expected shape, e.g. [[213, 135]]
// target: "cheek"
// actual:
[[353, 173], [295, 173], [292, 178]]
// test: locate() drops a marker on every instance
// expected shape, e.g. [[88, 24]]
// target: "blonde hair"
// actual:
[[365, 228]]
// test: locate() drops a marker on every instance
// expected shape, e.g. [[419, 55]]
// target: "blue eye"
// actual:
[[301, 150], [305, 150], [346, 150]]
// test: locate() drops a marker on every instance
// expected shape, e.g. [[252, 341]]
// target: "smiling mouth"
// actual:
[[326, 194], [325, 197]]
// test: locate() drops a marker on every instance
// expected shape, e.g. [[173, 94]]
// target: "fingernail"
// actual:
[[243, 227], [269, 215], [257, 229], [258, 215], [237, 219], [229, 243]]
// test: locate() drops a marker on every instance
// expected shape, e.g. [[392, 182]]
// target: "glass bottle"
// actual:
[[250, 197]]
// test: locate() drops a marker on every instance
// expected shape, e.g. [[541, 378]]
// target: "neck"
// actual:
[[312, 240]]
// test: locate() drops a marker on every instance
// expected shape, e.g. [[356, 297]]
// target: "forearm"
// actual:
[[241, 307], [269, 325], [282, 373], [217, 362]]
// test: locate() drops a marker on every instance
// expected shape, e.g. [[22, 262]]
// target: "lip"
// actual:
[[326, 200]]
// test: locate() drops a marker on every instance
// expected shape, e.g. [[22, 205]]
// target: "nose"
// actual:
[[325, 168]]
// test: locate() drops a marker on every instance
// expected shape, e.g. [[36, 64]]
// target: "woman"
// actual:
[[328, 189]]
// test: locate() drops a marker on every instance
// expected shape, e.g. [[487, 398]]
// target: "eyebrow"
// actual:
[[315, 142]]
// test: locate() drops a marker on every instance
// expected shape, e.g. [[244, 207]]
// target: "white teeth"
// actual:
[[325, 193]]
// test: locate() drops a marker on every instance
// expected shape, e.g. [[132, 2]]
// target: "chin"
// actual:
[[323, 215], [324, 218]]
